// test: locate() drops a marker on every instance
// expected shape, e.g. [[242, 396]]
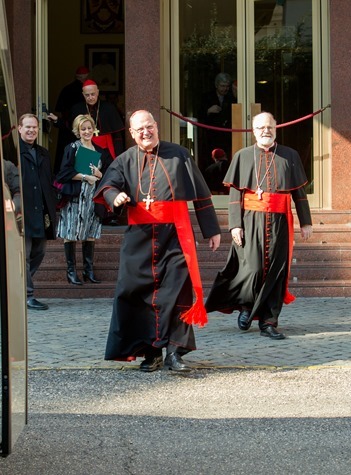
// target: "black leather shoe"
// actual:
[[271, 332], [174, 362], [152, 363], [243, 320], [34, 304]]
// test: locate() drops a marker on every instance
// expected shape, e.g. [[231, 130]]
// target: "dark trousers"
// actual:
[[35, 252]]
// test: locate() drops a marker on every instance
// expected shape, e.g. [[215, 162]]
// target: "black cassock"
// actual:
[[107, 120], [153, 286], [255, 275]]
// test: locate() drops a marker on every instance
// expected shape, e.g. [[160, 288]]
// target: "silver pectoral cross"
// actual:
[[259, 193], [148, 200]]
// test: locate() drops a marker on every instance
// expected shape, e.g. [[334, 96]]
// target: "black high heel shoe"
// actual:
[[70, 253], [88, 259], [89, 275], [72, 278]]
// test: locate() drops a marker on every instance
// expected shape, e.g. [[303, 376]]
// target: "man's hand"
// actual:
[[214, 109], [214, 242], [120, 199], [237, 235], [306, 232], [52, 117]]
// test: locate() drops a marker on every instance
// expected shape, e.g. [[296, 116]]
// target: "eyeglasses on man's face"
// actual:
[[266, 127], [147, 128]]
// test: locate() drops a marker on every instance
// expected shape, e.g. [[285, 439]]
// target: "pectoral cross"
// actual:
[[96, 132], [259, 193], [148, 200]]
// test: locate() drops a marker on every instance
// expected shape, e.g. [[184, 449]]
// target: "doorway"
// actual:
[[91, 32], [273, 55]]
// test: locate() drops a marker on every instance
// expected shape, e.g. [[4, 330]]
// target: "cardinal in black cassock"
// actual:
[[158, 293]]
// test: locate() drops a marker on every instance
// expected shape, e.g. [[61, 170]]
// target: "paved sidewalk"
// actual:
[[72, 334]]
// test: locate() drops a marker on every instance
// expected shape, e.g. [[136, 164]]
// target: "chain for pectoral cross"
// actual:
[[259, 191], [96, 131], [148, 200]]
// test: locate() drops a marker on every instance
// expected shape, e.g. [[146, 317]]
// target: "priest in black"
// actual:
[[158, 293], [109, 124], [108, 121], [262, 179], [71, 94]]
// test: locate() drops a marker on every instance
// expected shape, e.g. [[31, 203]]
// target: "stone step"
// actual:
[[336, 233], [106, 254], [301, 288], [310, 271], [306, 288], [107, 272], [327, 217], [322, 252], [321, 266]]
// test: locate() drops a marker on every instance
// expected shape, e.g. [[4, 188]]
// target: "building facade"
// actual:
[[289, 57]]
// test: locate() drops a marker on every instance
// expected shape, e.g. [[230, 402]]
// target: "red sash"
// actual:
[[105, 141], [176, 212], [275, 203]]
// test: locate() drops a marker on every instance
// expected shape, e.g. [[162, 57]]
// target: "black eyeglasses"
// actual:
[[268, 127], [148, 128]]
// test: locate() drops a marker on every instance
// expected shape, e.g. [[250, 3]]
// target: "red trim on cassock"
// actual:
[[275, 203], [176, 212]]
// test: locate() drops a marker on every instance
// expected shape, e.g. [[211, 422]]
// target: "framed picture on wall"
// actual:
[[101, 17], [105, 65]]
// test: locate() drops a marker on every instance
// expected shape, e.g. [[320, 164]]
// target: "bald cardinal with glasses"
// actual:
[[158, 295]]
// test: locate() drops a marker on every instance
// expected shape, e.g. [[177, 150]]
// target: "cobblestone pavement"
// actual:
[[72, 334]]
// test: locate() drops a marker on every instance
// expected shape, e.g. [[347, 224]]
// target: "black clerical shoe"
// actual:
[[151, 363], [34, 304], [271, 332], [174, 362], [243, 320]]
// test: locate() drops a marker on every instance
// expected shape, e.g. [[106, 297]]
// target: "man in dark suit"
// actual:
[[70, 95], [39, 201]]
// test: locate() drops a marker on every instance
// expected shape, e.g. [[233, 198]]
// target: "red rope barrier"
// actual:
[[8, 133], [205, 126]]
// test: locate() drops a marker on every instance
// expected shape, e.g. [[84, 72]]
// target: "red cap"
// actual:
[[89, 82], [82, 70], [218, 153]]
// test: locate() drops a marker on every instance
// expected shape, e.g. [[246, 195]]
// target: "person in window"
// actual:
[[262, 179], [79, 218], [216, 111], [215, 173]]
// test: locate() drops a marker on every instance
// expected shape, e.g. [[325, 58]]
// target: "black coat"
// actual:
[[12, 180], [37, 189]]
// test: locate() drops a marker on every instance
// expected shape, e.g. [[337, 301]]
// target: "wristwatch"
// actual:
[[84, 178]]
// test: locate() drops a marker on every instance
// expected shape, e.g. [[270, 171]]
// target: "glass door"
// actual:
[[280, 71], [13, 316], [237, 58]]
